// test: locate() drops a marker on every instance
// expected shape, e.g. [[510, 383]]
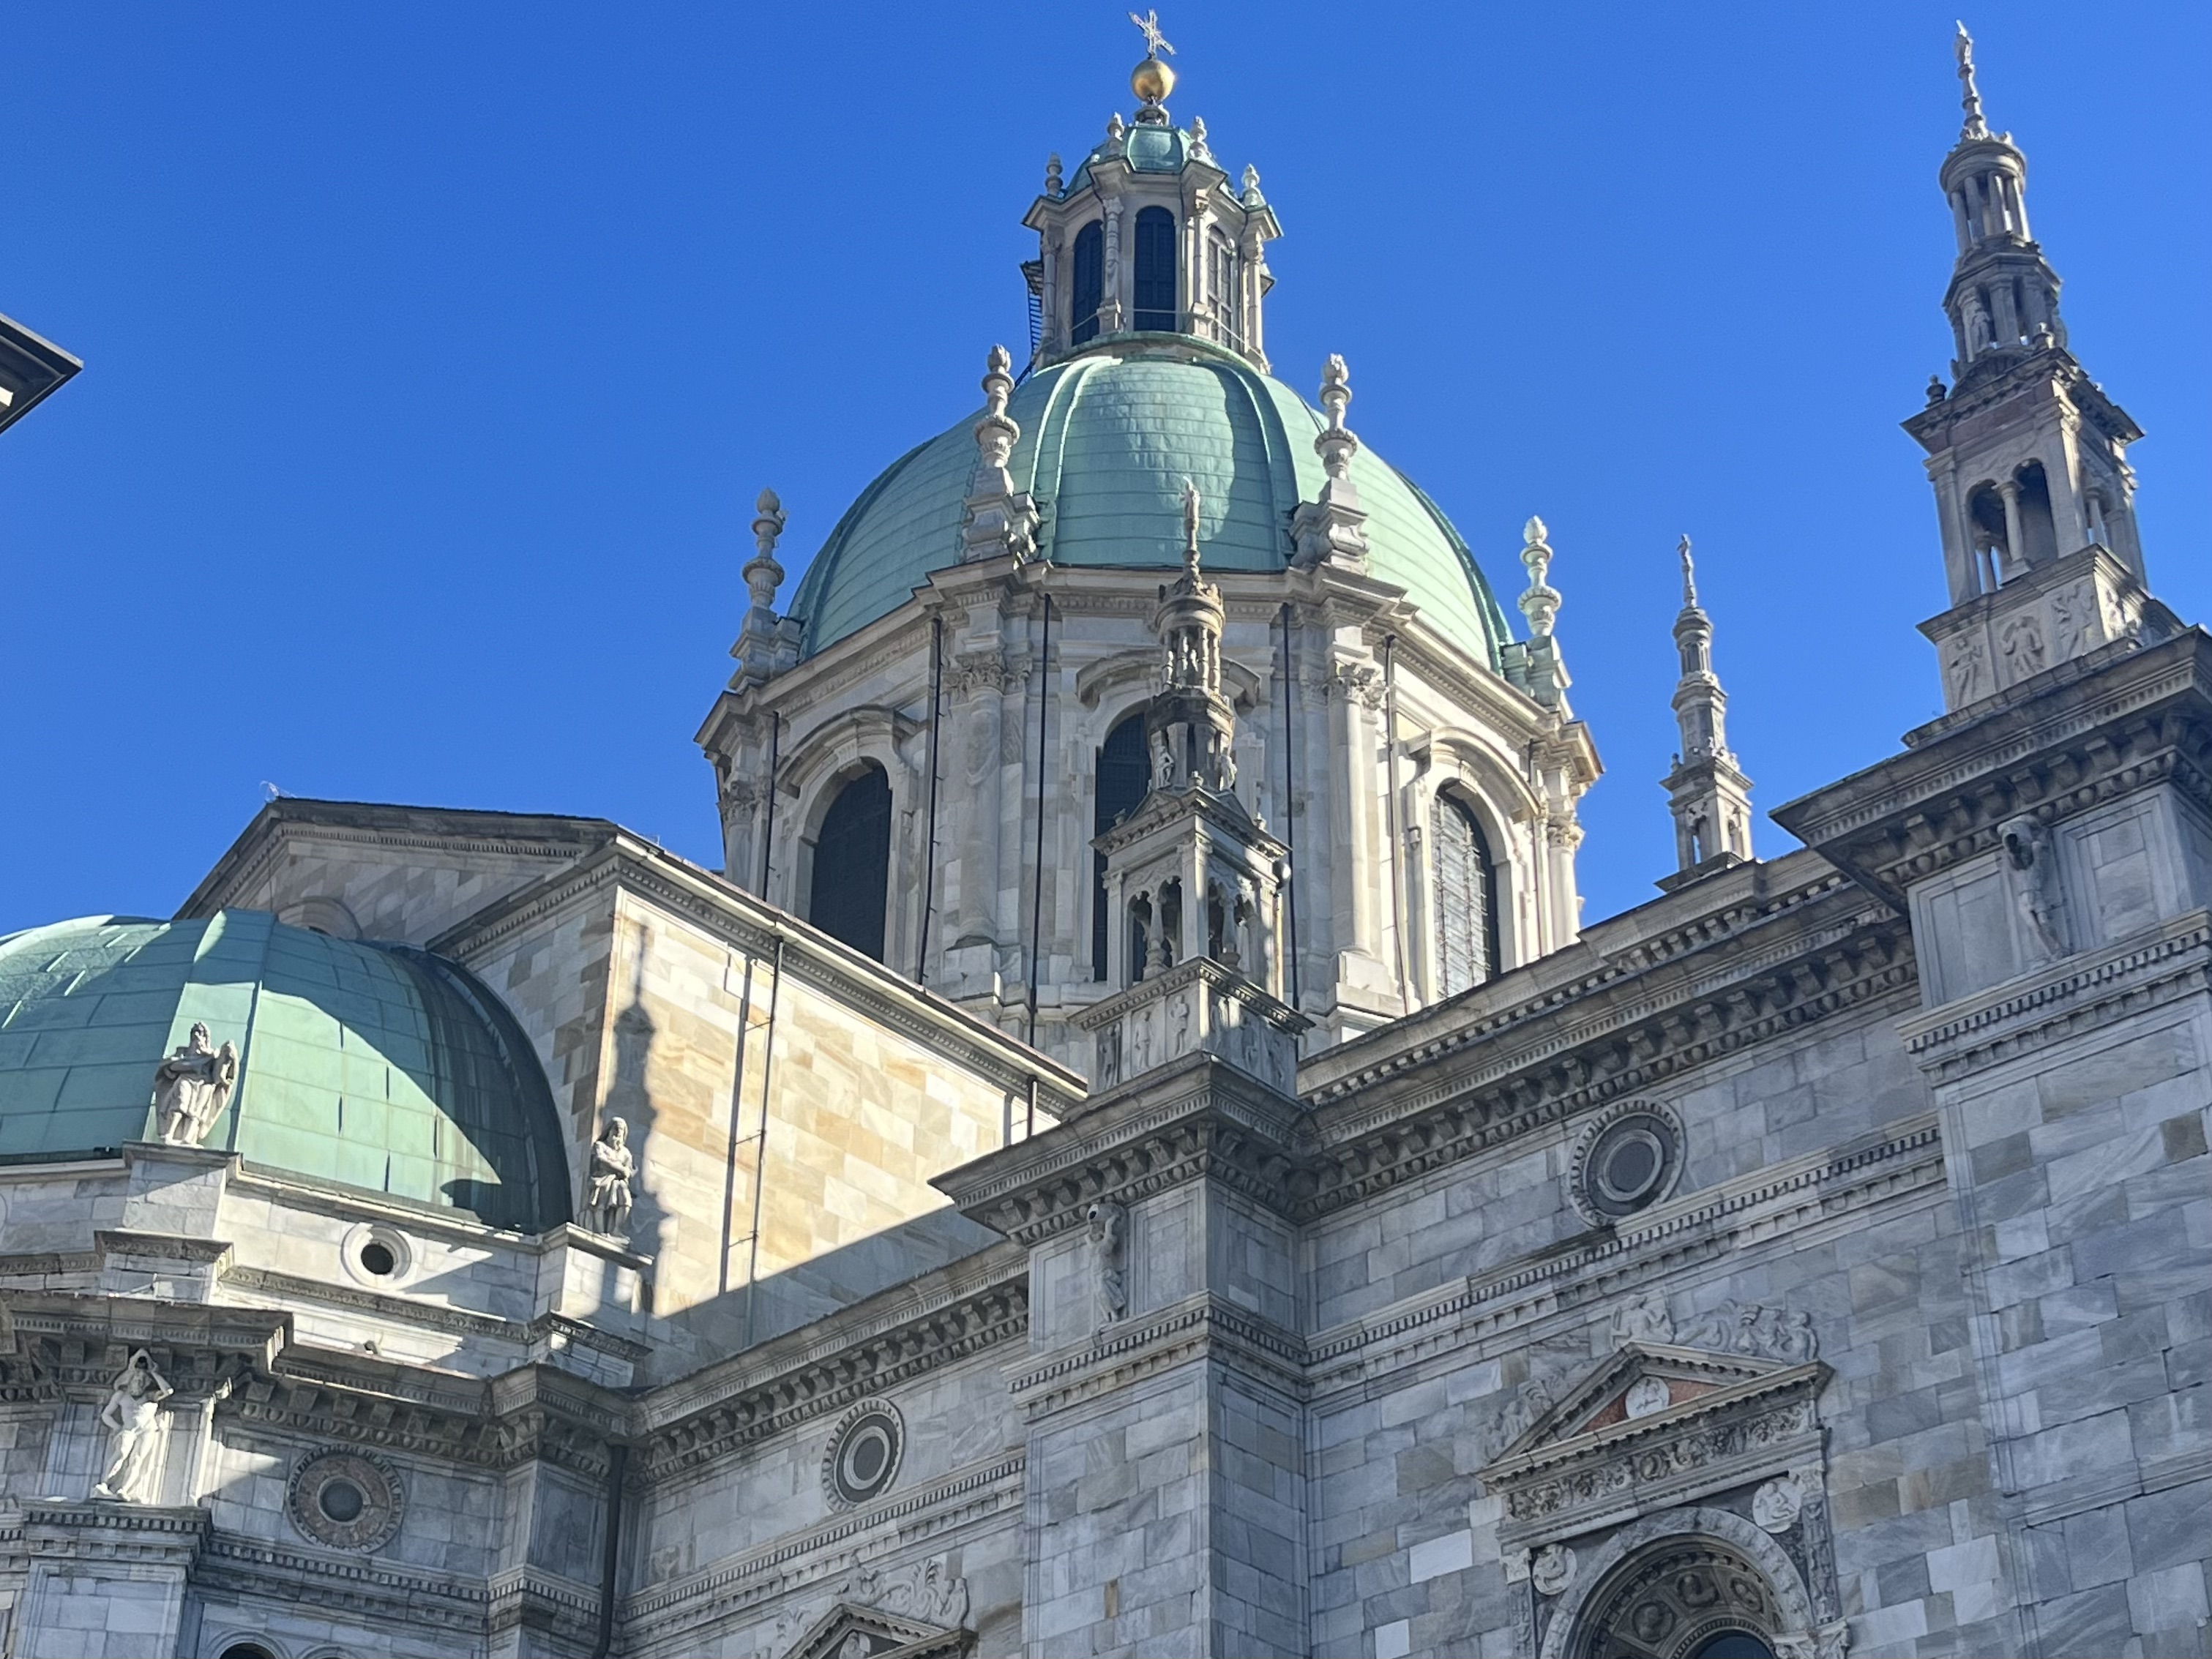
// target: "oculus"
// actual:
[[864, 1454], [1627, 1159], [346, 1500]]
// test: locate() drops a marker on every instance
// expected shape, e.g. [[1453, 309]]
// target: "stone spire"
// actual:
[[1193, 882], [1001, 521], [1332, 531], [760, 649], [1536, 666], [2026, 452], [1710, 798]]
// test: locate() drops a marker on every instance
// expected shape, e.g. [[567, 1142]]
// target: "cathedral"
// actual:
[[1137, 1151]]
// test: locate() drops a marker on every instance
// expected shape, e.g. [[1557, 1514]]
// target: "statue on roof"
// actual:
[[607, 1191], [193, 1086], [132, 1417]]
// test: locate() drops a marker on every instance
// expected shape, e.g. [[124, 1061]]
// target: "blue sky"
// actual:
[[435, 355]]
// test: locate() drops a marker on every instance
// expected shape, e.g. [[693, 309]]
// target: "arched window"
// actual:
[[2037, 528], [1221, 269], [1155, 287], [247, 1651], [853, 864], [1465, 898], [1088, 291], [1119, 784]]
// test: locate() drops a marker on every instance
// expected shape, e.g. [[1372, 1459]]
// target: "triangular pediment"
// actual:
[[849, 1630], [1648, 1383]]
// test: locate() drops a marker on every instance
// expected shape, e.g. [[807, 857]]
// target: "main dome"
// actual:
[[1108, 438], [378, 1067]]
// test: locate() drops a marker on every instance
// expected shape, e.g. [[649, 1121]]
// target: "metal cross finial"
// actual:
[[1689, 576], [1970, 98], [1149, 24]]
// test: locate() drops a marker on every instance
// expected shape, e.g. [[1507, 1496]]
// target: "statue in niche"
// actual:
[[193, 1086], [2034, 883], [1963, 666], [607, 1195], [1164, 761], [1109, 1229], [132, 1417]]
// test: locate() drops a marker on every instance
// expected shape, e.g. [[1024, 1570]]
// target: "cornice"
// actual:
[[714, 1414], [376, 1588], [2069, 740], [682, 1608], [740, 921], [400, 1310], [1804, 1201], [2073, 997], [1124, 1353]]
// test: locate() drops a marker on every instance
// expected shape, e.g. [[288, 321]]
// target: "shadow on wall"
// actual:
[[629, 1099]]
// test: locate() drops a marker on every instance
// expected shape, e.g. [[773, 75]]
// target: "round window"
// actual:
[[341, 1501], [1628, 1161], [378, 1259], [377, 1255], [864, 1454]]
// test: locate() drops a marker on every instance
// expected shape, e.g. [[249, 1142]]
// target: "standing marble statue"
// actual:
[[132, 1419], [191, 1087], [607, 1194]]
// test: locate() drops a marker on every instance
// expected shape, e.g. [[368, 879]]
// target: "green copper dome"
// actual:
[[378, 1068], [1108, 437]]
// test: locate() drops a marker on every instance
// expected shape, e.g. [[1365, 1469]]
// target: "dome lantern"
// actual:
[[1148, 235]]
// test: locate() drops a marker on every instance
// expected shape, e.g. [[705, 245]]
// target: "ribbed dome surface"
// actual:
[[1108, 438], [378, 1067]]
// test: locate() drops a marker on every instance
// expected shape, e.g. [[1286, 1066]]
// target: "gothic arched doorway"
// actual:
[[1685, 1597]]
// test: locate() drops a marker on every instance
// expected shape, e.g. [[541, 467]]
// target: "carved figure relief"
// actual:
[[1647, 1397], [1645, 1320], [1776, 1505], [2022, 644], [1109, 1229], [1109, 1057], [607, 1190], [1963, 668], [1518, 1415], [1553, 1570], [1750, 1329], [132, 1417], [191, 1087]]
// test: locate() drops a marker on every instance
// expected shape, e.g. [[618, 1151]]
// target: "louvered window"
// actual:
[[1466, 899]]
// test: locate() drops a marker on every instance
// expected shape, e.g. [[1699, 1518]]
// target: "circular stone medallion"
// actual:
[[864, 1453], [345, 1499], [1627, 1159]]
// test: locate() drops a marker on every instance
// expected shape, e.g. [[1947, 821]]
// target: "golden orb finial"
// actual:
[[1152, 80]]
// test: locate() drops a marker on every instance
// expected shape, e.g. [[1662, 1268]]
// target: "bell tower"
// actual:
[[2028, 456]]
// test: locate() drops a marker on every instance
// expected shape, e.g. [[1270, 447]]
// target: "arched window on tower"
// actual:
[[1155, 286], [1119, 786], [1465, 880], [852, 863], [1221, 278], [2037, 528], [1088, 291]]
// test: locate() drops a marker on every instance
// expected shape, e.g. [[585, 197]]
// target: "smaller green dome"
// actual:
[[375, 1066]]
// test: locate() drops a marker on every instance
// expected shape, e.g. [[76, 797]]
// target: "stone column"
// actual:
[[2016, 557]]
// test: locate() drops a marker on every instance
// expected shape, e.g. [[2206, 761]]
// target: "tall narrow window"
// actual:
[[1119, 786], [1088, 291], [853, 864], [1466, 899], [1221, 261], [1155, 294]]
